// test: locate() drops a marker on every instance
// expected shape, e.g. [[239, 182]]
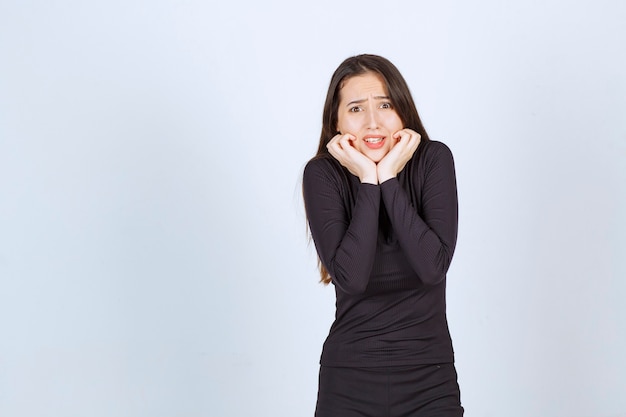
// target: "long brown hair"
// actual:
[[397, 90]]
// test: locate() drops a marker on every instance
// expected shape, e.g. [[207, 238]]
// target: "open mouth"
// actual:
[[374, 142]]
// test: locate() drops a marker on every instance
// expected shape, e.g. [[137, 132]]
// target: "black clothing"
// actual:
[[417, 390], [387, 248]]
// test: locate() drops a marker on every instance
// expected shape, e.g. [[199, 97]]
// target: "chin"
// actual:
[[376, 157]]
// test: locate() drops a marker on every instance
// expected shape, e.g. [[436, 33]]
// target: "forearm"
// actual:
[[427, 237], [345, 237], [350, 262]]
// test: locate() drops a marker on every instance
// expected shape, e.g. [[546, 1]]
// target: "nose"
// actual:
[[373, 122]]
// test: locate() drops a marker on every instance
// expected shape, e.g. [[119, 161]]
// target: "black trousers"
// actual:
[[398, 391]]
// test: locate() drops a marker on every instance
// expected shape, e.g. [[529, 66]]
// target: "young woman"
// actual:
[[381, 204]]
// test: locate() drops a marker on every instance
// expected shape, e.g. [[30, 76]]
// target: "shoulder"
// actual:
[[323, 165], [435, 149], [433, 154], [319, 163], [431, 158], [325, 169]]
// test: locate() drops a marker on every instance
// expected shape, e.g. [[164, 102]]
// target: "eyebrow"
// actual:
[[363, 100]]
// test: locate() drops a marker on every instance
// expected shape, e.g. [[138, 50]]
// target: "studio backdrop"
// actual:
[[154, 257]]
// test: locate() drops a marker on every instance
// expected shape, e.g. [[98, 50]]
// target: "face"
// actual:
[[366, 112]]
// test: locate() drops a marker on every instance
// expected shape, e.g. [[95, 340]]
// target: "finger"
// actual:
[[414, 136], [341, 149], [332, 142], [416, 139], [403, 140], [404, 136], [409, 137], [399, 134], [346, 140], [410, 132], [334, 148]]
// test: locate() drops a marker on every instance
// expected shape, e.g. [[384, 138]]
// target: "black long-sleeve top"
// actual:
[[387, 248]]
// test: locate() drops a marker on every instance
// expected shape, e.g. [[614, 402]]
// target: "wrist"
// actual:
[[369, 179], [369, 175], [384, 176]]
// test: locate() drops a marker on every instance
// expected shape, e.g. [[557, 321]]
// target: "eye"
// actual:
[[355, 109], [386, 106]]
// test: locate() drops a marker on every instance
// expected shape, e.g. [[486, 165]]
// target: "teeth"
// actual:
[[373, 140]]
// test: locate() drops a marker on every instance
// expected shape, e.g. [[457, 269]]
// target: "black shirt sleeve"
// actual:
[[428, 241], [345, 237]]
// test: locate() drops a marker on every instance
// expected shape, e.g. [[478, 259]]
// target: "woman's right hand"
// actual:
[[341, 148]]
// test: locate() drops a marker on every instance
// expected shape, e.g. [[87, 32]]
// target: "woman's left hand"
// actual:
[[399, 155]]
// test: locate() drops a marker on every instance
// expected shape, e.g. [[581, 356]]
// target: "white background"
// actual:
[[153, 250]]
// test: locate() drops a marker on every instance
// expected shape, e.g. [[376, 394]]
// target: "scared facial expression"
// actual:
[[366, 112]]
